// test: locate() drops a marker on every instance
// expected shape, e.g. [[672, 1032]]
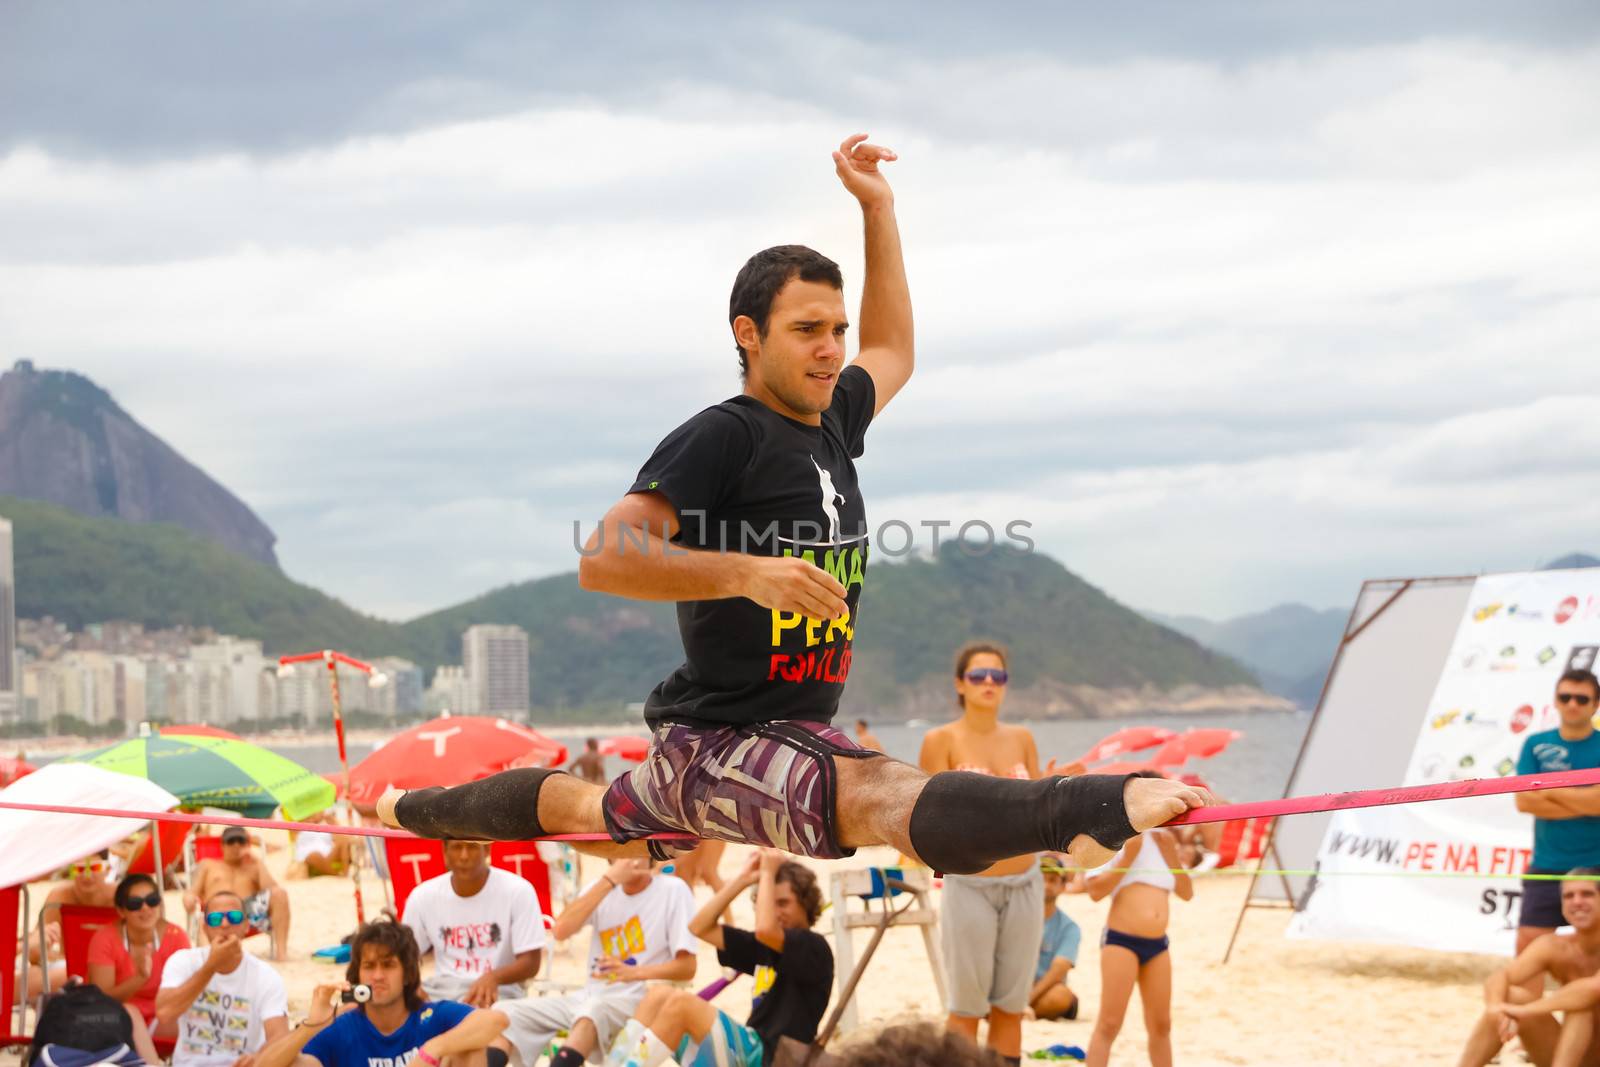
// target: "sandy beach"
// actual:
[[1276, 1002]]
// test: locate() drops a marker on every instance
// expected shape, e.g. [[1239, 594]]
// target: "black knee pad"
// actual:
[[963, 823], [502, 807]]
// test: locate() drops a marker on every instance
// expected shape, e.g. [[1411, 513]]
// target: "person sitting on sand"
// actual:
[[391, 1025], [483, 925], [641, 934], [126, 958], [1058, 948], [1573, 960], [792, 966], [1134, 948], [318, 852], [239, 871]]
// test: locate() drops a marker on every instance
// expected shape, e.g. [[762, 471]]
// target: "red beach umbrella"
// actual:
[[1130, 739], [449, 751], [1203, 744], [1121, 767], [633, 749], [12, 768]]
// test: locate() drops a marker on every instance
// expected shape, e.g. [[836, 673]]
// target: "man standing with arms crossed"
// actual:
[[750, 517], [1566, 822]]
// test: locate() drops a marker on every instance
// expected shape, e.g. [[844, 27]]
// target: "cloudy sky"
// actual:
[[1235, 303]]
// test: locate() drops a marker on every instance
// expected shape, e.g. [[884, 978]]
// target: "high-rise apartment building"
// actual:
[[496, 662]]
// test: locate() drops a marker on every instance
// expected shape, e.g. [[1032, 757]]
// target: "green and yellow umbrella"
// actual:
[[217, 772]]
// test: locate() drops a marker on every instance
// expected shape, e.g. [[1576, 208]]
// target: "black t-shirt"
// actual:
[[791, 987], [745, 479]]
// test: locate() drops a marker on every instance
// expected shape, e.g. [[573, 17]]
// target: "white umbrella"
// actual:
[[34, 844]]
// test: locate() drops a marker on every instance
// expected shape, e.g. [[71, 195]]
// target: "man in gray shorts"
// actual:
[[750, 517]]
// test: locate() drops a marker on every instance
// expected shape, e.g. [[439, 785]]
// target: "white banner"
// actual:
[[1519, 633]]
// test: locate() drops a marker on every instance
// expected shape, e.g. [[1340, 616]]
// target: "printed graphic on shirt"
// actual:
[[470, 938], [764, 977], [623, 941], [218, 1023]]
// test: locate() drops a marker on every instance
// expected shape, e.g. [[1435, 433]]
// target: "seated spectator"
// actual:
[[1572, 960], [82, 1025], [266, 904], [224, 1001], [483, 925], [792, 965], [395, 1026], [1058, 950], [90, 886], [317, 852], [641, 932], [126, 957]]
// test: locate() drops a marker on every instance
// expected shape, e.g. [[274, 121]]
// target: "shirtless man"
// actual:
[[1572, 960], [239, 871], [90, 888], [590, 764], [750, 516], [866, 738]]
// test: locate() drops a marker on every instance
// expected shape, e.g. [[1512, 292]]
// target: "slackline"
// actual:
[[1305, 805]]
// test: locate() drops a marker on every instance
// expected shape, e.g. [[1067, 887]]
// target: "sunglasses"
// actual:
[[97, 867], [987, 674], [152, 900], [1580, 699], [233, 917], [236, 841]]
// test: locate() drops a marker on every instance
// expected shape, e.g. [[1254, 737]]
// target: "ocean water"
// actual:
[[1256, 767]]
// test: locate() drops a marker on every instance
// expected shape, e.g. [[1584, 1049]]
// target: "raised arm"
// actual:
[[888, 343], [768, 930], [707, 922], [575, 915], [1101, 885]]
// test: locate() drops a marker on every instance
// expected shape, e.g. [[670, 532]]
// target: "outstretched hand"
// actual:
[[857, 165]]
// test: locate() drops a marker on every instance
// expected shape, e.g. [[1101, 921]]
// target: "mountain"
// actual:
[[1075, 651], [1290, 647], [1571, 561], [63, 440]]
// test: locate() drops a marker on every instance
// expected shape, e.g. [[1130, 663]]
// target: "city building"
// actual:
[[496, 661]]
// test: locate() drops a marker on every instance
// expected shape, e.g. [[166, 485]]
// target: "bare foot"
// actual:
[[1149, 802], [386, 804]]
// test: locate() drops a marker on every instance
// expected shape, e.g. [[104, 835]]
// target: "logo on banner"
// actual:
[[1488, 611], [1582, 657], [1445, 719], [1505, 767], [1506, 660], [1566, 609], [1546, 654], [1522, 718], [1473, 658], [1523, 614]]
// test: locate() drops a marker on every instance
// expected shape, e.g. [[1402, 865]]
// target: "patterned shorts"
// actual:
[[770, 784], [726, 1045]]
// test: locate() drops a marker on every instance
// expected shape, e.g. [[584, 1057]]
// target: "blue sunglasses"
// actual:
[[233, 917]]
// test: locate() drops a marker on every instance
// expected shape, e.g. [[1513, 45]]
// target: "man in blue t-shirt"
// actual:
[[395, 1025], [1566, 822], [1058, 947]]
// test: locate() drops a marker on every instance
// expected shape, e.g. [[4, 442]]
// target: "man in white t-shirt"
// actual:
[[641, 933], [227, 1002], [483, 925]]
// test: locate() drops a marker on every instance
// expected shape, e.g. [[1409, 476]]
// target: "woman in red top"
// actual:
[[126, 957]]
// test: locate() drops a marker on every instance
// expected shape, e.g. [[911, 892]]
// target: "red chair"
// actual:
[[1243, 840], [9, 946], [413, 861], [78, 925], [173, 836], [207, 847]]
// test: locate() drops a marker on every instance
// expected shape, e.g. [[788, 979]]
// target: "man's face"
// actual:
[[1575, 703], [234, 849], [791, 916], [800, 357], [466, 858], [1578, 903], [381, 970], [228, 911], [1054, 885], [89, 873], [639, 875]]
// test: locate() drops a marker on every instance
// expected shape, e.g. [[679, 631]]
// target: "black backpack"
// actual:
[[81, 1016]]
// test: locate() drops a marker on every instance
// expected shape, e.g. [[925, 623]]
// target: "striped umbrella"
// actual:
[[216, 772]]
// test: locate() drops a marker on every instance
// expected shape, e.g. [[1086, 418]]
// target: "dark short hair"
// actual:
[[1582, 874], [124, 889], [1581, 677], [401, 943], [862, 722], [965, 654], [803, 884], [764, 275], [919, 1045]]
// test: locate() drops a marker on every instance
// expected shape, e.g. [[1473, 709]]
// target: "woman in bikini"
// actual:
[[1133, 949], [991, 922]]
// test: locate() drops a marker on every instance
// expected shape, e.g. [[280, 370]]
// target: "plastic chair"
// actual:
[[174, 835], [12, 1020], [1243, 840]]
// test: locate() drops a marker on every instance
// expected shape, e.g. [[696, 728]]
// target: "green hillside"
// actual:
[[593, 651]]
